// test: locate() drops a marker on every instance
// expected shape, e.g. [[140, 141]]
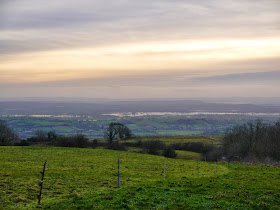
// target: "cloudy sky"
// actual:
[[139, 49]]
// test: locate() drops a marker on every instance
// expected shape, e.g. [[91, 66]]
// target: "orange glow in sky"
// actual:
[[134, 58], [162, 48]]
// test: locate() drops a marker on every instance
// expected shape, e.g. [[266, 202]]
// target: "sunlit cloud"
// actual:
[[52, 42], [130, 59]]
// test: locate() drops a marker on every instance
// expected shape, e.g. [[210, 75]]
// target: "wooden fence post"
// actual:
[[164, 168], [41, 183], [118, 173], [215, 168], [197, 170]]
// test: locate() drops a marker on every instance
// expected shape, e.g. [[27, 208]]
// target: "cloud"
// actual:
[[28, 25], [176, 84], [271, 77], [127, 46], [176, 80]]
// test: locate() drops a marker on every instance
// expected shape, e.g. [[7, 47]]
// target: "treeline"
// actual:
[[157, 147], [8, 137], [52, 139], [253, 141]]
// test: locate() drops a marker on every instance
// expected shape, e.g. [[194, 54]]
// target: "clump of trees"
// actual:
[[52, 139], [156, 147], [7, 135], [254, 140], [117, 131]]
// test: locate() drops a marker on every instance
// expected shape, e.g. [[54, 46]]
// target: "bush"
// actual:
[[22, 143], [94, 143], [153, 146], [65, 141], [191, 146], [213, 154], [78, 140], [139, 142], [169, 152], [116, 146]]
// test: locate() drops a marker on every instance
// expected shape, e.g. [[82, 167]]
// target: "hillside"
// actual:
[[87, 178]]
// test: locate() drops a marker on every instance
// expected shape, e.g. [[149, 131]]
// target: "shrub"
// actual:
[[65, 141], [153, 146], [94, 143], [191, 146], [169, 152], [116, 146], [22, 143], [213, 154], [78, 140], [139, 142]]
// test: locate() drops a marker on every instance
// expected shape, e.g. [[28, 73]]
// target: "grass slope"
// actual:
[[187, 155], [87, 178]]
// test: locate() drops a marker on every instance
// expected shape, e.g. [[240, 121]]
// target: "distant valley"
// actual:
[[145, 118]]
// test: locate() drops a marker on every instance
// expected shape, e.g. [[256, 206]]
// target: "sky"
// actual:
[[139, 49]]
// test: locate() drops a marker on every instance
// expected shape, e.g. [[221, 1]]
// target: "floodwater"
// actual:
[[141, 114]]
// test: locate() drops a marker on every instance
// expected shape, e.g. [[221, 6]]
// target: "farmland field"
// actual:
[[93, 126], [87, 178]]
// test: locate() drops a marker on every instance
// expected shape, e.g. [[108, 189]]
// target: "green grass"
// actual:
[[134, 149], [179, 132], [188, 155], [87, 178]]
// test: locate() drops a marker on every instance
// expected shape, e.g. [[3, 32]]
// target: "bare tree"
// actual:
[[41, 136], [254, 139], [117, 131], [7, 135]]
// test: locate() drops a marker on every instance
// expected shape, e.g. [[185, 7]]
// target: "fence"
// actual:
[[125, 171]]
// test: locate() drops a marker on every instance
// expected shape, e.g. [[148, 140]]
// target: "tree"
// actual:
[[253, 140], [7, 135], [111, 132], [80, 140], [124, 132], [52, 136], [41, 136], [117, 131]]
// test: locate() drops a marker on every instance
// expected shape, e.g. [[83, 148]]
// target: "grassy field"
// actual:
[[87, 178], [181, 154], [188, 155]]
